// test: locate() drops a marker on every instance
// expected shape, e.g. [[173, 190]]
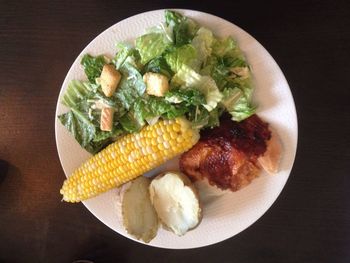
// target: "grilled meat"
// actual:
[[228, 155]]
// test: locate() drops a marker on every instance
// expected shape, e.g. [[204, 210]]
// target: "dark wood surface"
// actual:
[[310, 221]]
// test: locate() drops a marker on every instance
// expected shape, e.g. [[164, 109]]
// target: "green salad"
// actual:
[[177, 68]]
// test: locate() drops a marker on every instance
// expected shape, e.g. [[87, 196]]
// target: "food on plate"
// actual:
[[139, 217], [178, 88], [228, 155], [156, 84], [175, 69], [109, 79], [271, 158], [176, 202], [106, 119], [129, 157]]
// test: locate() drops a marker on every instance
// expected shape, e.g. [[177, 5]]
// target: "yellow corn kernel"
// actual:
[[128, 158]]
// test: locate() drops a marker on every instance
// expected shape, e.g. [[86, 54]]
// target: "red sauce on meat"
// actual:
[[227, 155], [248, 136]]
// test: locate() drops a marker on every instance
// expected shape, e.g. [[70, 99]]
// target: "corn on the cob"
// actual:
[[129, 157]]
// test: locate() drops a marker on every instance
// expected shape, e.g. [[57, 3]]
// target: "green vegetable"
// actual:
[[184, 55], [184, 29], [202, 42], [77, 92], [130, 123], [152, 108], [130, 87], [125, 50], [222, 47], [151, 45], [173, 18], [82, 129], [159, 65], [207, 76], [189, 78], [189, 96], [93, 66], [213, 120], [237, 104], [199, 117], [102, 136]]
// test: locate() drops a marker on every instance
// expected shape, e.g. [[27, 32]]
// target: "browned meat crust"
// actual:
[[227, 155]]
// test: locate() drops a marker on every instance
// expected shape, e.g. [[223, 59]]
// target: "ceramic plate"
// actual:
[[224, 215]]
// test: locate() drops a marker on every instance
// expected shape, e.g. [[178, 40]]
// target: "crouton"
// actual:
[[109, 79], [156, 84], [106, 121]]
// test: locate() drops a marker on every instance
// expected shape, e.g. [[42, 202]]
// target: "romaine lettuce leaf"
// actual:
[[106, 136], [202, 42], [76, 92], [93, 66], [184, 29], [223, 46], [199, 117], [184, 55], [125, 50], [130, 87], [151, 45], [213, 120], [151, 108], [237, 104], [189, 78], [173, 18], [82, 129], [130, 123], [162, 28], [216, 68], [188, 96], [159, 65]]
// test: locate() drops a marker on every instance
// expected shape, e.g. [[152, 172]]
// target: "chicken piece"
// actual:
[[271, 158], [227, 156]]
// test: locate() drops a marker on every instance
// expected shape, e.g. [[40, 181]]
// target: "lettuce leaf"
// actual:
[[85, 132], [125, 50], [184, 55], [77, 92], [189, 78], [130, 123], [81, 128], [188, 96], [79, 125], [130, 87], [237, 104], [151, 45], [93, 66], [152, 108], [211, 92], [214, 120], [162, 28], [199, 117], [184, 29], [173, 18], [159, 65], [222, 47], [202, 42]]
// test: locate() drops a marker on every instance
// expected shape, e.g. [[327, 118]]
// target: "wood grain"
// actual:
[[310, 222]]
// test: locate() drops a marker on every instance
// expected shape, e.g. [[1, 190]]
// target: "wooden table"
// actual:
[[310, 221]]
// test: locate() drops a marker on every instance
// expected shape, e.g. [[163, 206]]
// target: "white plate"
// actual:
[[231, 213]]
